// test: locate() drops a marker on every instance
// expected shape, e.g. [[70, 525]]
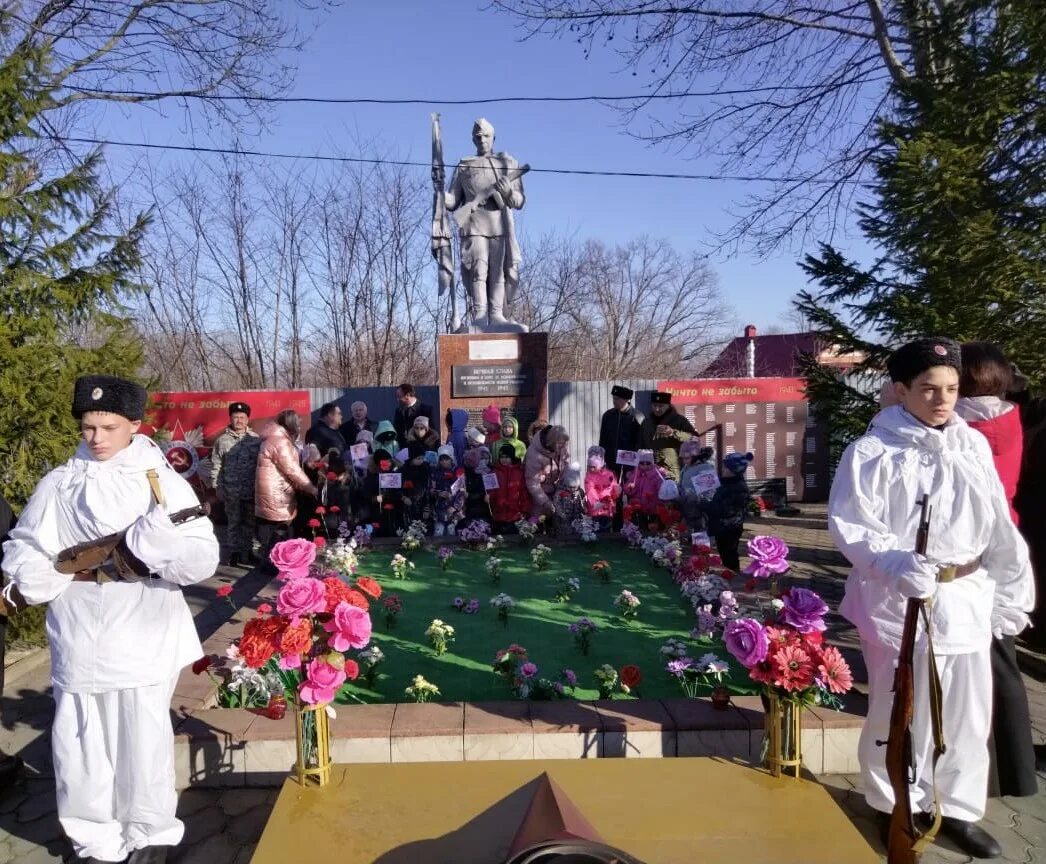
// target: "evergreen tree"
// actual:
[[63, 268], [957, 215]]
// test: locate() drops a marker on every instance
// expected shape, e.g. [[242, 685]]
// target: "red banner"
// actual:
[[715, 391], [199, 417]]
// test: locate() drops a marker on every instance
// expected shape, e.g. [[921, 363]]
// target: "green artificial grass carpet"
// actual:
[[538, 622]]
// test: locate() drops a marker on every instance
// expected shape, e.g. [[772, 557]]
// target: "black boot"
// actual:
[[12, 771], [970, 837]]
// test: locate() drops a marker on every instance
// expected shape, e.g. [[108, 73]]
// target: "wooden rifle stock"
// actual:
[[900, 766]]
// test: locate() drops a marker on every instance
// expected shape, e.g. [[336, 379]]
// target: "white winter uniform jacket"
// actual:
[[115, 635], [873, 516]]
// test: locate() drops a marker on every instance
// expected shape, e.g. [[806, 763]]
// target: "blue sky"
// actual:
[[453, 49]]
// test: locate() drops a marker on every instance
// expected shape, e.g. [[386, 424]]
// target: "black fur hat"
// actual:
[[108, 393], [622, 392], [239, 408], [911, 360], [660, 398]]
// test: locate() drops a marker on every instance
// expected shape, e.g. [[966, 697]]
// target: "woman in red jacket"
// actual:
[[986, 377]]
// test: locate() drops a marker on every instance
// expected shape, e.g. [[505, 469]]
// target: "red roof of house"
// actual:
[[777, 355]]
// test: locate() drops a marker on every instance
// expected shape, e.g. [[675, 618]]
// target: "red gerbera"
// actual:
[[833, 670], [794, 668], [369, 586]]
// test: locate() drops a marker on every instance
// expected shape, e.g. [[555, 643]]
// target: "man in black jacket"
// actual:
[[620, 427], [407, 410], [357, 422], [663, 431], [11, 767], [325, 434]]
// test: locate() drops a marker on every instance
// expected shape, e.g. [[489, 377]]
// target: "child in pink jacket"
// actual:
[[642, 487], [601, 489]]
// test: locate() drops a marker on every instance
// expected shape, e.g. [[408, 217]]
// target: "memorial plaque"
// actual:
[[506, 379]]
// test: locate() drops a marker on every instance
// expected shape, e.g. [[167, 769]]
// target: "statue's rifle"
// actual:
[[905, 843], [442, 247], [488, 193]]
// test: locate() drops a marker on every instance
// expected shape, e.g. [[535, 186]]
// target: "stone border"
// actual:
[[220, 747]]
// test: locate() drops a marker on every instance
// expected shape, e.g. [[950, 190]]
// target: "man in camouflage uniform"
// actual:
[[233, 461]]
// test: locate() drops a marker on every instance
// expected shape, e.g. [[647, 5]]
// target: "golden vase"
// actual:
[[783, 737], [312, 730]]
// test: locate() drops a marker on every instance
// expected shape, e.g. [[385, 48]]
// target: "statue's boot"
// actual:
[[497, 315]]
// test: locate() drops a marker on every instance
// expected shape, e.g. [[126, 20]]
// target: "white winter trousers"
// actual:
[[114, 770], [962, 771]]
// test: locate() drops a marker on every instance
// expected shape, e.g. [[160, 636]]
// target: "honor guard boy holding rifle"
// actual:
[[106, 540], [975, 576]]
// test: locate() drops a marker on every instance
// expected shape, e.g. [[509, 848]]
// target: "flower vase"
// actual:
[[312, 730], [720, 698], [782, 737]]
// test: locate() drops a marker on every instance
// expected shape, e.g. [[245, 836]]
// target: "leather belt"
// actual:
[[951, 572]]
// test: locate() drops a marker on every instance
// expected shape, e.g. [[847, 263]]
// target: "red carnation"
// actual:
[[352, 670], [313, 523], [631, 676], [388, 506], [335, 508], [201, 665], [408, 484], [321, 510], [320, 542], [264, 609], [369, 586], [224, 590], [332, 476], [357, 599]]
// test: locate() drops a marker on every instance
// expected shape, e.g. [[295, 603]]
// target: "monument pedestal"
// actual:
[[509, 370]]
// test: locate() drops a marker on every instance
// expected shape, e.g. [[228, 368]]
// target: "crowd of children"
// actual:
[[484, 474]]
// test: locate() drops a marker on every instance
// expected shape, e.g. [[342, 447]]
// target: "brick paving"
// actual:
[[223, 826]]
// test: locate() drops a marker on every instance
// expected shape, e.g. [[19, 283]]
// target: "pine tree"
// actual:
[[63, 268], [957, 214]]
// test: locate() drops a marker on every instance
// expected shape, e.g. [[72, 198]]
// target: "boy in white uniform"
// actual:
[[116, 646], [975, 571]]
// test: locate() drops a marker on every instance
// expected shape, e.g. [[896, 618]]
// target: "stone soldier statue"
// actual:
[[484, 191]]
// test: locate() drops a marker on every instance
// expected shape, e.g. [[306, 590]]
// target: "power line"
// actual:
[[492, 100], [656, 175]]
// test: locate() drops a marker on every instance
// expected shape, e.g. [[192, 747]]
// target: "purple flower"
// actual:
[[769, 556], [804, 610], [745, 638], [528, 669], [679, 666], [473, 607], [458, 602], [706, 622], [445, 552], [570, 677]]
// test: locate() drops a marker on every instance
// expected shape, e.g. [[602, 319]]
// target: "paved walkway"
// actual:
[[222, 827]]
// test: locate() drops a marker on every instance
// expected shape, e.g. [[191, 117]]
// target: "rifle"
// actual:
[[107, 556], [905, 843], [463, 214], [441, 240], [110, 556]]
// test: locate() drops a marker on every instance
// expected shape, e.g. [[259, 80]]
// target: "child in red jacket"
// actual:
[[510, 502], [601, 489]]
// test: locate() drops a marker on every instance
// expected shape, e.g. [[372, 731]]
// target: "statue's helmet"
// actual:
[[483, 124]]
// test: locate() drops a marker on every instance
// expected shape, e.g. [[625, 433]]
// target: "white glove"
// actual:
[[1007, 622], [916, 576], [153, 537]]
